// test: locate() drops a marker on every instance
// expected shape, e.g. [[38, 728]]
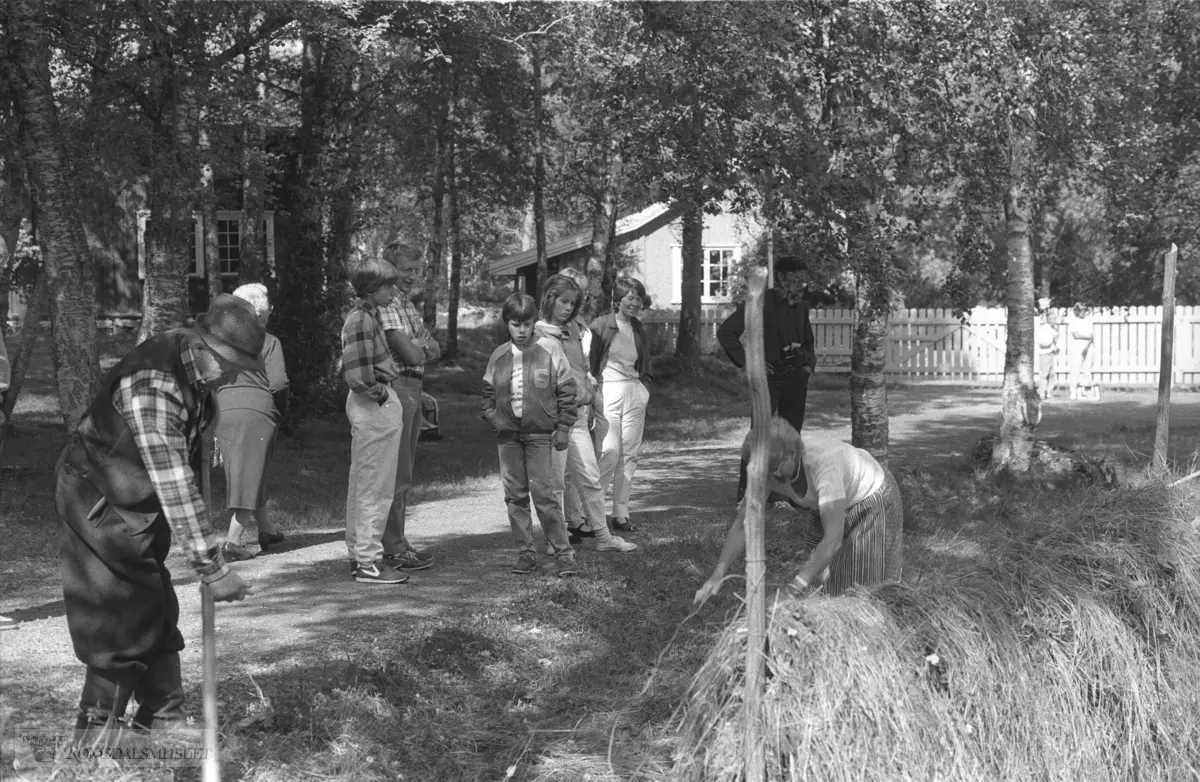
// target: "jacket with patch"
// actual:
[[548, 395]]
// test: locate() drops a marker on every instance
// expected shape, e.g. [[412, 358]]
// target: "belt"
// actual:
[[413, 373]]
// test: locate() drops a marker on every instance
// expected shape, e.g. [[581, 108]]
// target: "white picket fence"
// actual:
[[931, 345]]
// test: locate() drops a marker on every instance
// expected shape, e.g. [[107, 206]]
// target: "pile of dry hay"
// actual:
[[1048, 649]]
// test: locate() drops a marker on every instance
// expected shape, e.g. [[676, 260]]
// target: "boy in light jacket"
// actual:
[[529, 399]]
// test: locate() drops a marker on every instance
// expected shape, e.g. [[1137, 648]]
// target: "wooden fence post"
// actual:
[[1165, 367], [755, 499]]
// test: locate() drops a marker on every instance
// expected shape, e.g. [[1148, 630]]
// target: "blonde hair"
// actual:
[[785, 450], [256, 294], [576, 276], [587, 302]]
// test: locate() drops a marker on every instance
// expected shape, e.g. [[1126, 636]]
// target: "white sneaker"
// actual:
[[614, 543]]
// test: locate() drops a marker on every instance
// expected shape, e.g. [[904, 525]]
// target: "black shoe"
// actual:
[[576, 535], [526, 564], [268, 539], [430, 436], [623, 525], [407, 561], [235, 553]]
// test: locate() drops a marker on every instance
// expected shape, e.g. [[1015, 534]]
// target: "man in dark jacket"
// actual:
[[127, 484], [788, 343]]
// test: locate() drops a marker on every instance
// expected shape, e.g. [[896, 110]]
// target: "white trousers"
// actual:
[[577, 472], [376, 434], [625, 409]]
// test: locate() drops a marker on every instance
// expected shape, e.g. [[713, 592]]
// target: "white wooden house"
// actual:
[[654, 237]]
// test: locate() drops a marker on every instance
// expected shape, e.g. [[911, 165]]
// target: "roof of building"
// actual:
[[628, 228]]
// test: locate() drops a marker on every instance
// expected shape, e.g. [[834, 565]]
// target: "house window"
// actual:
[[716, 274], [229, 243], [718, 271]]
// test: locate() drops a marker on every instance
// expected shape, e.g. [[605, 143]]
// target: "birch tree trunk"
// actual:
[[447, 131], [1020, 407], [687, 344], [67, 262], [868, 384], [437, 228], [208, 215], [253, 261], [451, 351], [539, 173]]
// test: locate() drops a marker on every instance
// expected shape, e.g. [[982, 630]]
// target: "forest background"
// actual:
[[924, 152]]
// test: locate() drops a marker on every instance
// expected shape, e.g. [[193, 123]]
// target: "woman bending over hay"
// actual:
[[856, 529]]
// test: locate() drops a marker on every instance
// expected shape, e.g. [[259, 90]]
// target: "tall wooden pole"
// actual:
[[755, 499], [1165, 366], [208, 634]]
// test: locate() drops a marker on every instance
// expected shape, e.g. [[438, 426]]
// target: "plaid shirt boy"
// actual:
[[151, 403], [367, 362]]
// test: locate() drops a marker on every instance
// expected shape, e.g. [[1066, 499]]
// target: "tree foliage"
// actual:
[[926, 151]]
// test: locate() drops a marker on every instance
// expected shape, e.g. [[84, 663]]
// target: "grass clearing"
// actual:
[[1061, 622]]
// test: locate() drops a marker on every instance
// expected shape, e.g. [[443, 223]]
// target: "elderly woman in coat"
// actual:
[[249, 408]]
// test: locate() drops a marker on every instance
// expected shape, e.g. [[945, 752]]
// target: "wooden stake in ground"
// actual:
[[212, 760], [1165, 366], [755, 499]]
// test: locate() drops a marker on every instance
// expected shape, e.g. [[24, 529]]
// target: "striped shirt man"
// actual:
[[367, 362], [151, 403]]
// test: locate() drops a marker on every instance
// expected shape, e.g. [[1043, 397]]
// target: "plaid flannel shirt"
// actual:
[[367, 363], [403, 316], [151, 403]]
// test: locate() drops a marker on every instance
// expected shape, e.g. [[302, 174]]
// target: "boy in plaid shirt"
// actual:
[[376, 423]]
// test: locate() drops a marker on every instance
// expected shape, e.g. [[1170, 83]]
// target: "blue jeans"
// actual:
[[526, 469]]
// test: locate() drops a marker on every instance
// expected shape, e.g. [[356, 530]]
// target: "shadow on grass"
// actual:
[[447, 693], [44, 611]]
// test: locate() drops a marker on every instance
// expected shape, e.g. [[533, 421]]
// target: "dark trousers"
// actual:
[[788, 388], [122, 611]]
